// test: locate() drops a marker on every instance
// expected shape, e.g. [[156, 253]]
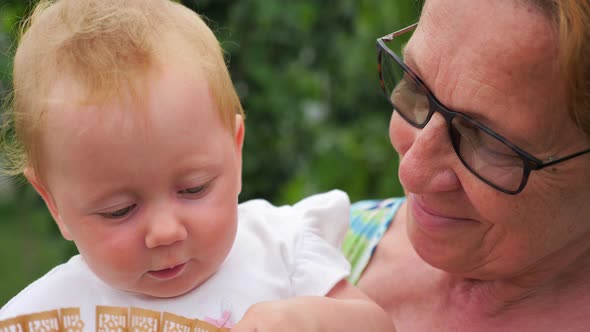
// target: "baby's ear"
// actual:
[[46, 195], [240, 132]]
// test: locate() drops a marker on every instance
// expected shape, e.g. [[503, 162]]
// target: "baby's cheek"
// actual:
[[215, 236], [117, 255]]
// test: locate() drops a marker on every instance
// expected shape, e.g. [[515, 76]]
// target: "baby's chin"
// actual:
[[166, 293], [162, 291], [149, 287], [171, 288]]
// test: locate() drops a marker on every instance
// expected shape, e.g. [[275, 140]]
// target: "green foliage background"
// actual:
[[307, 75]]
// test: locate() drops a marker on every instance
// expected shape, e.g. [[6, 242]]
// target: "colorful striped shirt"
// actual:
[[369, 220]]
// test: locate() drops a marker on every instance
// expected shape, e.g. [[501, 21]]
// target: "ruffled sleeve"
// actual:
[[319, 263]]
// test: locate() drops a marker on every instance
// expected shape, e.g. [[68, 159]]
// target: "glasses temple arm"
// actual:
[[559, 160]]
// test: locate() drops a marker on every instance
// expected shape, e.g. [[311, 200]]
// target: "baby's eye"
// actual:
[[119, 213], [193, 191]]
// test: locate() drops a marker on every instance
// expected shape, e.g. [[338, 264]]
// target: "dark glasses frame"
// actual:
[[530, 163]]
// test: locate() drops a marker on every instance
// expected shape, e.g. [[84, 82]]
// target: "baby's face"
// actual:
[[147, 192]]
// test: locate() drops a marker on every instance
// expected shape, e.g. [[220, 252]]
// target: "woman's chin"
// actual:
[[453, 254]]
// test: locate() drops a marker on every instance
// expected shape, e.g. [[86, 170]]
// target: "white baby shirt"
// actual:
[[278, 253]]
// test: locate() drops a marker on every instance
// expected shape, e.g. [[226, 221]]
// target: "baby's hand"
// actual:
[[285, 316], [344, 309]]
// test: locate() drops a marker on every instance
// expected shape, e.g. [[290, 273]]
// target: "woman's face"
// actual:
[[497, 62]]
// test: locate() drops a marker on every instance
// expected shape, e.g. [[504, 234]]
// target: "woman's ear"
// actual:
[[49, 201]]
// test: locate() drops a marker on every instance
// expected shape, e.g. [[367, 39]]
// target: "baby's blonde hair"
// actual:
[[105, 46]]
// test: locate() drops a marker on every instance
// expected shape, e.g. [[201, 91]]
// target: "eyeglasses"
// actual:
[[486, 154]]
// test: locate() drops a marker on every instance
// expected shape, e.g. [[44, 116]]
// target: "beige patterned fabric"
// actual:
[[108, 319]]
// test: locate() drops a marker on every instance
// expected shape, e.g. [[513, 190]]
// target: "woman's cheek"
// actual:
[[401, 134]]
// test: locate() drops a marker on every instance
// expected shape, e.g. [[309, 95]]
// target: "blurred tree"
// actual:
[[306, 72]]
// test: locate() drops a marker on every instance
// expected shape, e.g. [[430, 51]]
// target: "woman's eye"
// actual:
[[193, 191], [119, 213]]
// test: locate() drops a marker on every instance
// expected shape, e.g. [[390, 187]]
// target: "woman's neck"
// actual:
[[560, 279]]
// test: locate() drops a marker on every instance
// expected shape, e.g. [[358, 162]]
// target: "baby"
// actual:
[[128, 126]]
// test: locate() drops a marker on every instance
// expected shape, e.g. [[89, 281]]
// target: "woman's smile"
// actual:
[[431, 220]]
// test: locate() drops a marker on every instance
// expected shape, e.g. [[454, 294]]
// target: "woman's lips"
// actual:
[[428, 218], [167, 273]]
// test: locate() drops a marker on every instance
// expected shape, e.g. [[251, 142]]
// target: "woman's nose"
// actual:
[[427, 159], [165, 228]]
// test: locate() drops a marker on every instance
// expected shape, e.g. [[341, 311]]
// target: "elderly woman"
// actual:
[[491, 120]]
